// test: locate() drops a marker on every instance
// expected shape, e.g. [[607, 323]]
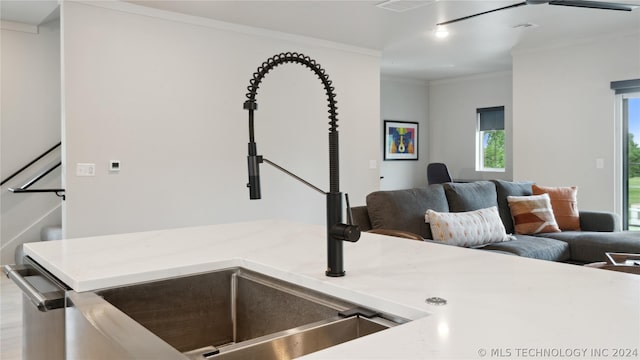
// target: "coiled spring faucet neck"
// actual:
[[336, 231]]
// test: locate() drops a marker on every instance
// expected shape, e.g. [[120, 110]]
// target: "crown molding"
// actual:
[[226, 26], [472, 77], [20, 27]]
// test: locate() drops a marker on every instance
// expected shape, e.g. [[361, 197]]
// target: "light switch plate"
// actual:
[[85, 169]]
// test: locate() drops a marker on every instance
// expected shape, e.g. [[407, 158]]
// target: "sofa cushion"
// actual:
[[467, 229], [470, 196], [564, 201], [591, 246], [534, 247], [532, 214], [510, 188], [405, 209]]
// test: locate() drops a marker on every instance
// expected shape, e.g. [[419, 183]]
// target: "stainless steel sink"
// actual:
[[227, 314], [304, 340]]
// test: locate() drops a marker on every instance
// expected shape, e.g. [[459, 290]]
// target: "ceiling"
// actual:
[[32, 12], [406, 39]]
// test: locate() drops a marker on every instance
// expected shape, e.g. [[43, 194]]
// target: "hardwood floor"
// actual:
[[10, 320]]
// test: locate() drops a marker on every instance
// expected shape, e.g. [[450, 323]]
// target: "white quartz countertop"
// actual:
[[497, 305]]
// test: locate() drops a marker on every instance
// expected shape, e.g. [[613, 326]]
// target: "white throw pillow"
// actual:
[[468, 229]]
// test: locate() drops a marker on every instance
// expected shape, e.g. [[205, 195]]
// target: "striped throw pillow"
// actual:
[[532, 214], [564, 202]]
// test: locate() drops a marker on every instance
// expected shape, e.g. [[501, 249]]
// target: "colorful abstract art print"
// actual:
[[400, 140]]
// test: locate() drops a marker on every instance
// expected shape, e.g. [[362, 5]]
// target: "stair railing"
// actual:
[[26, 187]]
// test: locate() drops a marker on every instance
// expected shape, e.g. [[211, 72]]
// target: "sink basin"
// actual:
[[300, 341], [228, 314]]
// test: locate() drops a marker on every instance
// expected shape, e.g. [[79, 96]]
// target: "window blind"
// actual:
[[626, 86], [491, 118]]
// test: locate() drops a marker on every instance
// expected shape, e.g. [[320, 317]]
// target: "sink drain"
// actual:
[[438, 301]]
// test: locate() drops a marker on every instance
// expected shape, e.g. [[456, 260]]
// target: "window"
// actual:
[[631, 118], [628, 93], [490, 139]]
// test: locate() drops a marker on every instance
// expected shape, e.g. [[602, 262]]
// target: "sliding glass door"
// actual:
[[631, 161]]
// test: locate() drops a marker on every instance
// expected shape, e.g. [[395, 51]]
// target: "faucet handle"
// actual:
[[349, 212], [346, 232]]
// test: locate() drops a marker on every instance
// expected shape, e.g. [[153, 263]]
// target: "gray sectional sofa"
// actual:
[[402, 213]]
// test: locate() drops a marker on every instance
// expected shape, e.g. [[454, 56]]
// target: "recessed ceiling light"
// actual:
[[441, 32]]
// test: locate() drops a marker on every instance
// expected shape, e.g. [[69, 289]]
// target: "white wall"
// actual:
[[452, 122], [564, 115], [29, 125], [163, 94], [405, 100]]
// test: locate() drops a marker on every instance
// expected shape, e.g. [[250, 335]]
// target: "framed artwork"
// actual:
[[400, 140]]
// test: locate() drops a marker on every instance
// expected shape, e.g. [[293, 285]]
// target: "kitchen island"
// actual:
[[497, 305]]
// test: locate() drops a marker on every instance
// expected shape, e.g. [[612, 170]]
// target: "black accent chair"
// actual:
[[437, 173]]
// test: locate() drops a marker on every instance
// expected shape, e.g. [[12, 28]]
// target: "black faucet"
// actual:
[[336, 230]]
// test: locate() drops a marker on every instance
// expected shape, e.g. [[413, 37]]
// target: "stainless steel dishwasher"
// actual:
[[43, 310]]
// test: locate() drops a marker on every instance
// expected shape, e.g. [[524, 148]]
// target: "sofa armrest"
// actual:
[[599, 221], [397, 233]]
